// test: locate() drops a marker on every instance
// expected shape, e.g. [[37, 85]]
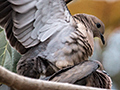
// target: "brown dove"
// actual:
[[86, 73], [47, 35]]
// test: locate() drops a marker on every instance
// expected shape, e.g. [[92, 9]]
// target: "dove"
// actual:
[[85, 73], [47, 36]]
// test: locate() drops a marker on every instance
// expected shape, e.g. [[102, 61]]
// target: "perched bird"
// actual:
[[85, 73], [47, 35]]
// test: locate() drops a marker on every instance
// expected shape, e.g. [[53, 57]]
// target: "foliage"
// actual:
[[8, 55]]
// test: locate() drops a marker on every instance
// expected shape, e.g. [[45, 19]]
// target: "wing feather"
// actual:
[[19, 2], [74, 73], [29, 22], [21, 30], [48, 33]]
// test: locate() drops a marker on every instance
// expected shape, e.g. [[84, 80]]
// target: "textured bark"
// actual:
[[23, 83]]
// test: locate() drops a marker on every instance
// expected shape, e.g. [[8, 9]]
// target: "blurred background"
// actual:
[[109, 54]]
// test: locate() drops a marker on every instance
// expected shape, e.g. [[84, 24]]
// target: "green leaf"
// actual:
[[7, 61], [8, 55], [15, 58], [1, 29]]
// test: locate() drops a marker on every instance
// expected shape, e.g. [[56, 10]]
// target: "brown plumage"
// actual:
[[47, 36], [85, 73]]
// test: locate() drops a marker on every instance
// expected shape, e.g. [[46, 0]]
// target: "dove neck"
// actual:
[[85, 40]]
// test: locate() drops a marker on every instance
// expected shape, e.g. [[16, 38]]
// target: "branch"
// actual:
[[23, 83]]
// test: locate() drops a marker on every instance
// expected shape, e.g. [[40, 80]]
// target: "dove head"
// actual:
[[92, 23]]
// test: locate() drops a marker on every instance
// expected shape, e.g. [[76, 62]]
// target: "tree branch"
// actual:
[[23, 83]]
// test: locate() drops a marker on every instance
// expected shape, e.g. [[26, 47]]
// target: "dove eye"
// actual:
[[98, 25]]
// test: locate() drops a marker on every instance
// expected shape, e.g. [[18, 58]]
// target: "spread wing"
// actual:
[[29, 22]]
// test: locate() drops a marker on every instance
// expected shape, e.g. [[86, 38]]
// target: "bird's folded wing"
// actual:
[[78, 72], [103, 79], [29, 22]]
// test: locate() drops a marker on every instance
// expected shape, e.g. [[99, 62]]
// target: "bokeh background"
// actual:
[[109, 54]]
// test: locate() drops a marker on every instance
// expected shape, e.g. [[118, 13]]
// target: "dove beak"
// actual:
[[102, 38]]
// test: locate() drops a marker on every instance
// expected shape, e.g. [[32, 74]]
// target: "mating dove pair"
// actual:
[[47, 35]]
